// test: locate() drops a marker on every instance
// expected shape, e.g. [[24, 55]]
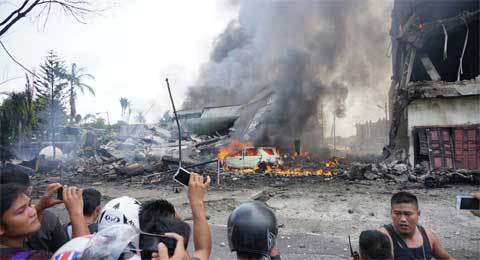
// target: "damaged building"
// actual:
[[370, 136], [435, 89]]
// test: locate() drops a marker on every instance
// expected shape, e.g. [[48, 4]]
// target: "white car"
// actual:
[[254, 157]]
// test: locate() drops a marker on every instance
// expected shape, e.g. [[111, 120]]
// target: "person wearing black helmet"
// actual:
[[252, 232]]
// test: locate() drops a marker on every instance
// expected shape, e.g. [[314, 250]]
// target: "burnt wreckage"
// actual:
[[435, 89]]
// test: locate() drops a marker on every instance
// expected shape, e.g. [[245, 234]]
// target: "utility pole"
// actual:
[[386, 123], [334, 145]]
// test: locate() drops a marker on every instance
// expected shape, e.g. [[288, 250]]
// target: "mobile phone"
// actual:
[[182, 176], [60, 193], [149, 244], [467, 203]]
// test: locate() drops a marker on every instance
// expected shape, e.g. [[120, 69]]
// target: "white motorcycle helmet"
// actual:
[[123, 210]]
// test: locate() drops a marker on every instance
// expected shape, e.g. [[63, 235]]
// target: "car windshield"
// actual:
[[251, 152], [269, 151]]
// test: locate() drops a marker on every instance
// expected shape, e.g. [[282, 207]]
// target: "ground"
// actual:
[[316, 214]]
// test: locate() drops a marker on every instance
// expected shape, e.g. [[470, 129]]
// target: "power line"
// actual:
[[17, 62]]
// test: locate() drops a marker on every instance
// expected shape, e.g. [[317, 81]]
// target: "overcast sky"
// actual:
[[130, 48]]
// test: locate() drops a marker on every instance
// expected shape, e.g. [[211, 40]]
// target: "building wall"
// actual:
[[463, 110]]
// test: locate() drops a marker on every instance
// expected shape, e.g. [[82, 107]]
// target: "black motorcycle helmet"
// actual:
[[252, 228]]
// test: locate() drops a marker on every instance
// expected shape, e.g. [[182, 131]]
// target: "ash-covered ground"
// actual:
[[316, 213]]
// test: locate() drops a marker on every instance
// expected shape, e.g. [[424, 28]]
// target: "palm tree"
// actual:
[[124, 104], [75, 79]]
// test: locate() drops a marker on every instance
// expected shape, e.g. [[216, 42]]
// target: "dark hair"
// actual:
[[250, 256], [374, 245], [157, 209], [158, 217], [91, 200], [8, 194], [403, 197], [17, 177]]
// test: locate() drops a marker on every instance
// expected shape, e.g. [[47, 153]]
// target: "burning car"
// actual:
[[253, 158]]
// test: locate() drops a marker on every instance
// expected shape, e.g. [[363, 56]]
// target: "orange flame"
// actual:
[[234, 148]]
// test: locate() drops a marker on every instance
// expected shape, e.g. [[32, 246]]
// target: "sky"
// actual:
[[131, 47]]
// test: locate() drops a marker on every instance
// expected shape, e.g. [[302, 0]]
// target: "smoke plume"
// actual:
[[308, 52]]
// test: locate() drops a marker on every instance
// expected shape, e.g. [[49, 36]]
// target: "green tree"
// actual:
[[89, 116], [140, 118], [78, 118], [100, 123], [17, 120], [50, 87], [75, 79]]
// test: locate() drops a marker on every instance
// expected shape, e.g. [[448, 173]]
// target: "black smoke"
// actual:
[[307, 52]]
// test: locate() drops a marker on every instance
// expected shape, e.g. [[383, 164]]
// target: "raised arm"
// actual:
[[202, 237], [72, 197], [47, 200]]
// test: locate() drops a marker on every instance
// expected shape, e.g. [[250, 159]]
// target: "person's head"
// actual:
[[405, 212], [91, 203], [252, 230], [18, 217], [16, 177], [159, 217], [157, 209], [374, 245], [123, 210]]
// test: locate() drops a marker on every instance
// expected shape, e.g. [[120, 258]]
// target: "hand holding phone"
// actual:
[[60, 193], [149, 244], [163, 252], [48, 198], [182, 176]]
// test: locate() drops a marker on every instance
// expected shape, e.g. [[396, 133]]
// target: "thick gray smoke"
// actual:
[[307, 52]]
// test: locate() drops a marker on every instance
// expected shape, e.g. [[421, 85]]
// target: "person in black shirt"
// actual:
[[409, 240]]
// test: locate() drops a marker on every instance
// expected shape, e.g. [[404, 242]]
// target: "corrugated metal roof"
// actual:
[[224, 111]]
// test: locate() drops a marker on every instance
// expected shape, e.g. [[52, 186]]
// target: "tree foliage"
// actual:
[[140, 118], [76, 82], [50, 87], [124, 104]]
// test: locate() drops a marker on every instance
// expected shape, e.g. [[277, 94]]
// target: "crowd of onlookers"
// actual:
[[125, 228]]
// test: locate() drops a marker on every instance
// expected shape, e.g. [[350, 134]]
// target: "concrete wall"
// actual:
[[442, 112]]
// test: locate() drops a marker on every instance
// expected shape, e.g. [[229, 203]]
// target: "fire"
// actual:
[[233, 149], [299, 172], [296, 164]]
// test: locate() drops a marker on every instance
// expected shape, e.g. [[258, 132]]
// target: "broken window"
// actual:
[[251, 152]]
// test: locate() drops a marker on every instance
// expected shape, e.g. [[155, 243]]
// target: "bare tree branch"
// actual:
[[19, 64], [11, 21], [14, 12], [75, 8]]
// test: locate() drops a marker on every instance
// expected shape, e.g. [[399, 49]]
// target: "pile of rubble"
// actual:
[[400, 172]]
